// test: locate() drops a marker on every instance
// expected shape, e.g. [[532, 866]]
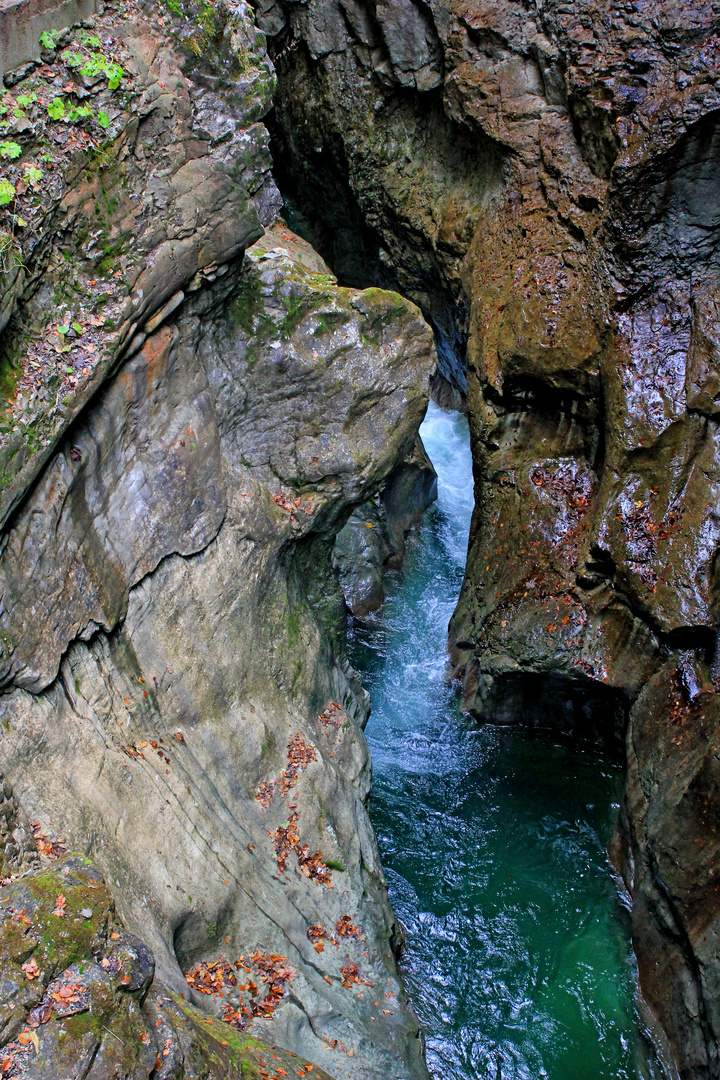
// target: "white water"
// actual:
[[518, 959]]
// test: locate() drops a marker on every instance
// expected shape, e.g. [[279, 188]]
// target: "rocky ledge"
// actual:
[[79, 997]]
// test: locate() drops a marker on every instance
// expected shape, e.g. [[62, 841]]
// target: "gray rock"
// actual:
[[373, 540], [216, 470], [554, 210]]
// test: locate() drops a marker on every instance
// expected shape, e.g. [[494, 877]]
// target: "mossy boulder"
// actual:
[[78, 995]]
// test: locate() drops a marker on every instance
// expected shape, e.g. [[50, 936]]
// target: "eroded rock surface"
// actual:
[[176, 704], [544, 178], [373, 540], [177, 735], [79, 997]]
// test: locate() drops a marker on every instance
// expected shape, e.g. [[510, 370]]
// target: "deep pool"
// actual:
[[518, 958]]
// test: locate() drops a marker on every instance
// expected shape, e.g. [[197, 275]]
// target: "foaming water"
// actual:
[[518, 958]]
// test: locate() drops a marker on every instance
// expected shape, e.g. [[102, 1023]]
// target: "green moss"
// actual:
[[297, 308], [247, 305], [9, 375], [328, 322], [269, 743], [297, 673], [293, 628], [334, 864]]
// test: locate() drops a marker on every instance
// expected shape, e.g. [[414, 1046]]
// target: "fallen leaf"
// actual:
[[31, 969]]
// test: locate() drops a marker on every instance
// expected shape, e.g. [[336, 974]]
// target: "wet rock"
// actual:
[[373, 540], [146, 204], [215, 470], [410, 490], [360, 555], [669, 859], [572, 243]]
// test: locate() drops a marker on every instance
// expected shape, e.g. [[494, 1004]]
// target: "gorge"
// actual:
[[211, 421]]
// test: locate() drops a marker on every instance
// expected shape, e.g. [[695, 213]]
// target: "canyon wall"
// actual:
[[542, 179], [194, 409]]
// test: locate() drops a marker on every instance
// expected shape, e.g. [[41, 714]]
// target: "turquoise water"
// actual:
[[518, 958]]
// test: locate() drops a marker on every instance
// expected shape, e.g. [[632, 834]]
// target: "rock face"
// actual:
[[542, 178], [373, 540], [181, 451], [78, 996]]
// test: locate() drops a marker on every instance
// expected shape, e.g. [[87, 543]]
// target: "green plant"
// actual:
[[334, 864], [206, 19], [71, 58], [33, 175], [7, 192], [93, 64], [114, 73], [9, 149], [98, 64], [56, 109], [26, 99], [73, 113], [48, 38], [103, 119]]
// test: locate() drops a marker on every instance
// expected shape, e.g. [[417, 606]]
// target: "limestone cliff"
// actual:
[[195, 408], [542, 178]]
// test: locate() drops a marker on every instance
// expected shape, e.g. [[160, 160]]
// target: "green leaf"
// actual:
[[26, 99], [93, 66], [114, 73], [66, 348], [9, 149], [7, 192], [71, 58], [21, 222], [33, 175], [103, 119], [56, 109], [48, 38], [77, 327], [68, 368], [63, 329]]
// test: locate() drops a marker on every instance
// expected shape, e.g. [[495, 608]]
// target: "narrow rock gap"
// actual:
[[319, 203]]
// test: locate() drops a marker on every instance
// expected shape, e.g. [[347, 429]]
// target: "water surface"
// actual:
[[518, 958]]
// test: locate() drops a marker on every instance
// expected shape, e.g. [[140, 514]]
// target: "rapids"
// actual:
[[518, 957]]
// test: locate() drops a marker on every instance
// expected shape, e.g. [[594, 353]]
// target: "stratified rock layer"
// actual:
[[544, 178]]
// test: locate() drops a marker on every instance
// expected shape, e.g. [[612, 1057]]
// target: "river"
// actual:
[[518, 958]]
